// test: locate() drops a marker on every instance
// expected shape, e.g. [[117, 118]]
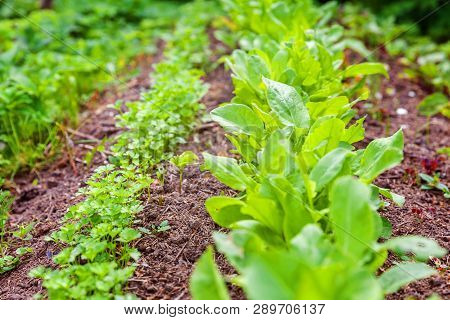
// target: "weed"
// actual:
[[433, 182]]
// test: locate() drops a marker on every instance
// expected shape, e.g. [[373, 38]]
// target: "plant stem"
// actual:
[[181, 180], [427, 131]]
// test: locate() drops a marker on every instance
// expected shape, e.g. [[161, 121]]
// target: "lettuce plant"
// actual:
[[305, 225], [338, 262]]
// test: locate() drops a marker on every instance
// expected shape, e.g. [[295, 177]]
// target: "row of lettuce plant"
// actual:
[[97, 257], [305, 223]]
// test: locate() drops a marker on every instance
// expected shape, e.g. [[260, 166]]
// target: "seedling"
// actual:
[[161, 174], [24, 231], [432, 105], [181, 161], [444, 150], [8, 263], [163, 226], [91, 154], [434, 182]]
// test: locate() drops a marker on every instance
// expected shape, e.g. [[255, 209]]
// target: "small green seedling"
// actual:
[[433, 104], [444, 150], [434, 183], [24, 231], [163, 226], [91, 154], [8, 263], [160, 174], [181, 161]]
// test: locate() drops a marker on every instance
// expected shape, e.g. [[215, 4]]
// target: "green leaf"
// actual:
[[23, 250], [328, 167], [276, 156], [355, 132], [322, 138], [433, 104], [287, 104], [396, 198], [335, 106], [238, 118], [128, 234], [402, 274], [312, 244], [296, 215], [184, 159], [421, 247], [265, 211], [227, 171], [366, 68], [351, 217], [444, 150], [206, 283], [94, 247], [427, 178], [386, 231], [236, 243], [381, 155], [262, 232], [360, 284], [279, 272], [225, 210]]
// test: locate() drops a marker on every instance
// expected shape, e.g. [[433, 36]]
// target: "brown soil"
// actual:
[[426, 212], [44, 197]]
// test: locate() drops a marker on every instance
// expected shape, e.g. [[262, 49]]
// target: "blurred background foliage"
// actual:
[[52, 60], [436, 25]]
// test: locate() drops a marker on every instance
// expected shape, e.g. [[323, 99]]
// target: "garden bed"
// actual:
[[168, 257]]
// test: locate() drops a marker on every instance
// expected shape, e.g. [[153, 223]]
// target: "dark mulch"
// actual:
[[168, 258], [43, 197], [425, 213]]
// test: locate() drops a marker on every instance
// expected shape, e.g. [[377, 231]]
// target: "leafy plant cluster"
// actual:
[[14, 9], [305, 224], [51, 60], [97, 257], [8, 260]]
